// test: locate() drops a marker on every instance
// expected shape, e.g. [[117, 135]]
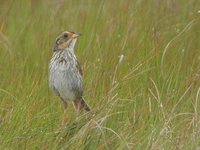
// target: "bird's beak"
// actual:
[[76, 34]]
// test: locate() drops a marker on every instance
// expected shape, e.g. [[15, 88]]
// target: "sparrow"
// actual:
[[65, 72]]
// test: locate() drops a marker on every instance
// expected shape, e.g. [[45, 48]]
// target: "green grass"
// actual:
[[148, 100]]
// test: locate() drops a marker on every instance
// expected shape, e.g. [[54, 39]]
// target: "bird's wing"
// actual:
[[78, 66]]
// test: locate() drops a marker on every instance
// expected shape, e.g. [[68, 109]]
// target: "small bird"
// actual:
[[65, 77]]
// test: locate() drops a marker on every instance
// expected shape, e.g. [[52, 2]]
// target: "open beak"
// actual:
[[76, 34]]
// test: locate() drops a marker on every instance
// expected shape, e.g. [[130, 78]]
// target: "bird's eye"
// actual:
[[65, 35]]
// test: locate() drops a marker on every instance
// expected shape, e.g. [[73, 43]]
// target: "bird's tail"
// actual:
[[85, 105], [81, 104]]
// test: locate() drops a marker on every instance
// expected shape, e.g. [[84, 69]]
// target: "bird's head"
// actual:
[[66, 40]]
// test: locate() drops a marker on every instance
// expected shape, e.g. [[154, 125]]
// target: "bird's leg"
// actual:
[[64, 114], [77, 104], [62, 126]]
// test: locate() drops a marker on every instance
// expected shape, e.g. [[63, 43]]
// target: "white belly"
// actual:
[[65, 81]]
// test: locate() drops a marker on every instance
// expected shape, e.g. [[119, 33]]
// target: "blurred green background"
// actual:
[[141, 62]]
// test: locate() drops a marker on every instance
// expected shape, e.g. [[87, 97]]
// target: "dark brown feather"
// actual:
[[81, 104], [78, 66]]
